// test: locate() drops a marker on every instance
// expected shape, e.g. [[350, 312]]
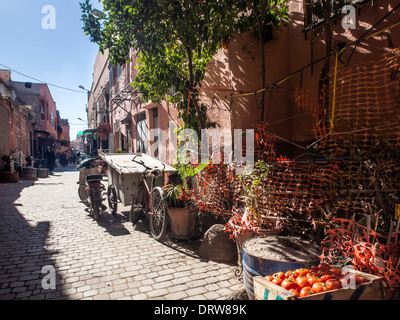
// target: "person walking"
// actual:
[[73, 157], [50, 158], [63, 159]]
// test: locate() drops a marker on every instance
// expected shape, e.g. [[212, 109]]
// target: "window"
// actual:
[[119, 71], [42, 112], [52, 118], [110, 76], [141, 133], [155, 126], [155, 118]]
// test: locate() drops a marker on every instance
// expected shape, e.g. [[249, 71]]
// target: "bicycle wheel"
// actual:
[[138, 206], [158, 218], [112, 199]]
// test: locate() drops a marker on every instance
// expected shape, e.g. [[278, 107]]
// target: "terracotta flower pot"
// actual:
[[183, 222]]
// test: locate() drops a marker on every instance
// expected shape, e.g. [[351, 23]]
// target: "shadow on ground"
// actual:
[[27, 267]]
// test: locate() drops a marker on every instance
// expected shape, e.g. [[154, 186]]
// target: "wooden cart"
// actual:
[[124, 176]]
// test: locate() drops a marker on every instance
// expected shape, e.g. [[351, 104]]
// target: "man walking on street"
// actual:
[[50, 157]]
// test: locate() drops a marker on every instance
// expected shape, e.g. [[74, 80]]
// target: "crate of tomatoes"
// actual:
[[322, 282]]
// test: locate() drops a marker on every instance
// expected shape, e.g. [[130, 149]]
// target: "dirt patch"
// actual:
[[285, 249]]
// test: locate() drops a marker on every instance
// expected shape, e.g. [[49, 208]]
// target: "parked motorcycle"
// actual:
[[91, 188]]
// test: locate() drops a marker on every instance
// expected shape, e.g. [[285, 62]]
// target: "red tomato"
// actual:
[[333, 276], [280, 275], [269, 278], [314, 269], [288, 284], [323, 266], [311, 274], [291, 274], [302, 272], [277, 281], [302, 281], [325, 277], [323, 272], [295, 292], [319, 287], [311, 280], [306, 291], [333, 284], [335, 272]]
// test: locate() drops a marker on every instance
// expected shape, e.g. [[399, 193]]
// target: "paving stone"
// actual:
[[176, 295], [103, 260]]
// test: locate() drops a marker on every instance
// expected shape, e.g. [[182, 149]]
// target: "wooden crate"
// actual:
[[374, 289]]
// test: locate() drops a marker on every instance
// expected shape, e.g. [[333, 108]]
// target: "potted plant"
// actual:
[[182, 204]]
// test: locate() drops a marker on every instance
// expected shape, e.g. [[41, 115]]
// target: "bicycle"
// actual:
[[150, 202]]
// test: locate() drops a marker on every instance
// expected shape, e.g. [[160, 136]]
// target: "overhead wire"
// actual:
[[40, 81]]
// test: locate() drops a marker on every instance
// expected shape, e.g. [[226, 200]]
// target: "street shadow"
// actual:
[[28, 269], [113, 224]]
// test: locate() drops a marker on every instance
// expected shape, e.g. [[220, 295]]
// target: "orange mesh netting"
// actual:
[[349, 172], [365, 110], [365, 248]]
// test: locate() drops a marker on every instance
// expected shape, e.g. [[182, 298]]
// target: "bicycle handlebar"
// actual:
[[154, 171]]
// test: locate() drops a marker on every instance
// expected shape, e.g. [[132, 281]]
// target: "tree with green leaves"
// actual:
[[175, 41]]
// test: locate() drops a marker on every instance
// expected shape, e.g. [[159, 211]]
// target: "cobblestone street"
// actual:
[[44, 226]]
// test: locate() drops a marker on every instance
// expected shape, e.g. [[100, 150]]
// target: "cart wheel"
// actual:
[[112, 199], [159, 216], [137, 209]]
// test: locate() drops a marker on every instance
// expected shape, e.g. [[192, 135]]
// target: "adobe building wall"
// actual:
[[99, 87], [50, 122], [238, 69], [15, 125], [4, 127]]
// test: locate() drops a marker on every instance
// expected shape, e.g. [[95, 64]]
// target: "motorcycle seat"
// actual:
[[92, 177]]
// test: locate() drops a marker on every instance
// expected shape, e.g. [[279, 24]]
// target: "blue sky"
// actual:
[[63, 56]]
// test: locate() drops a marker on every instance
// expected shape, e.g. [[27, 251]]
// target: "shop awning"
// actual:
[[89, 132]]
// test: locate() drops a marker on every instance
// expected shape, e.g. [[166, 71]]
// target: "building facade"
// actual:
[[29, 119], [300, 57], [17, 121], [119, 120]]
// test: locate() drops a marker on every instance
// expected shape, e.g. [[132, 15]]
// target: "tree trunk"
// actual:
[[196, 105], [262, 57]]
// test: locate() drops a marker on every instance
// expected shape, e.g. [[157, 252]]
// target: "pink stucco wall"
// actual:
[[238, 68]]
